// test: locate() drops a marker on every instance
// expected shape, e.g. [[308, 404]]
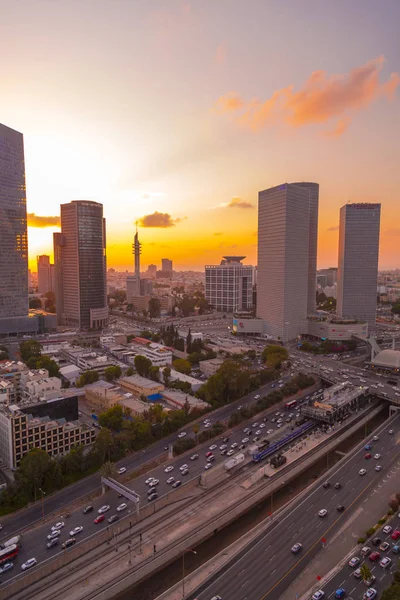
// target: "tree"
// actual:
[[392, 592], [35, 303], [365, 572], [142, 365], [108, 470], [166, 375], [396, 309], [32, 471], [44, 362], [146, 334], [189, 342], [196, 429], [50, 303], [30, 348], [154, 307], [112, 418], [112, 372], [154, 373], [186, 407], [273, 355], [129, 371], [182, 366], [86, 378]]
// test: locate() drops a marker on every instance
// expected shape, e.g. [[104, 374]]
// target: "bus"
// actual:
[[8, 553], [291, 404], [14, 540]]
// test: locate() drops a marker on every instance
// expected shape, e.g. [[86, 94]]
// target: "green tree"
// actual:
[[35, 303], [103, 444], [112, 418], [396, 309], [31, 474], [273, 355], [142, 365], [30, 348], [112, 372], [182, 366], [50, 302], [130, 371], [196, 429], [86, 378], [146, 334], [392, 592], [154, 373], [166, 375], [44, 362], [365, 572], [154, 307], [108, 470]]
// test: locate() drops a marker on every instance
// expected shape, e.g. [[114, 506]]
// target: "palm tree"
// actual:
[[108, 470], [365, 572], [195, 429]]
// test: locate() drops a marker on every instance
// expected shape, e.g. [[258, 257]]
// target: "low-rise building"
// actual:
[[328, 327], [211, 366], [140, 386], [178, 400], [12, 371], [42, 389], [103, 395], [159, 355], [70, 373], [195, 384], [88, 361]]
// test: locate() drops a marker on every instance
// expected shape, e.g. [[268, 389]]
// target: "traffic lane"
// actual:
[[297, 516]]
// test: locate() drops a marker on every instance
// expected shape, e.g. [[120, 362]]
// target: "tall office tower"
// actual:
[[287, 250], [358, 262], [152, 270], [166, 264], [80, 266], [13, 226], [44, 271], [229, 286]]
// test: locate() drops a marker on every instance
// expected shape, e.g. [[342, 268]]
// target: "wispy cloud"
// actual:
[[157, 219], [322, 99], [334, 228], [234, 203], [39, 221]]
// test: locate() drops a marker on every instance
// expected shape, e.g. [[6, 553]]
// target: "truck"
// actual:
[[234, 461], [16, 540]]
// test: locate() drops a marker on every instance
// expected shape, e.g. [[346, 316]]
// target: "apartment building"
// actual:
[[140, 386]]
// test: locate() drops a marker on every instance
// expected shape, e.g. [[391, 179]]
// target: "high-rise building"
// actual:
[[80, 266], [45, 272], [287, 256], [133, 281], [358, 262], [229, 286], [152, 270], [13, 226], [166, 264]]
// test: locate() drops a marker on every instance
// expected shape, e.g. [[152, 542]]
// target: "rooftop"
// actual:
[[387, 358]]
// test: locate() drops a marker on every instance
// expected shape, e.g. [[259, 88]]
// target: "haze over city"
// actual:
[[176, 114]]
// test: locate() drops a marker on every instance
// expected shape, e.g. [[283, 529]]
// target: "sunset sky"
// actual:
[[176, 113]]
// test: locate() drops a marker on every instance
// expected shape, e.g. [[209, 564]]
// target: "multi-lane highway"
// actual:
[[269, 566]]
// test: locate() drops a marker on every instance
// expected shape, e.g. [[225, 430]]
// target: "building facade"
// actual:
[[45, 272], [229, 286], [80, 265], [358, 262], [13, 226], [287, 250]]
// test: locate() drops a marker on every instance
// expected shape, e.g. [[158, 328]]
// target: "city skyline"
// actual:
[[180, 126]]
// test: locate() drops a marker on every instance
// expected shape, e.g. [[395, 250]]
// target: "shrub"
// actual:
[[382, 521], [361, 540], [370, 531], [182, 445], [390, 512]]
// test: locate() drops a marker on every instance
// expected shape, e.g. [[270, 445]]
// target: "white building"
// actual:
[[194, 383], [229, 286], [177, 399], [42, 389], [211, 366]]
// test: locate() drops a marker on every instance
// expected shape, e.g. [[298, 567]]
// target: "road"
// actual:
[[266, 569]]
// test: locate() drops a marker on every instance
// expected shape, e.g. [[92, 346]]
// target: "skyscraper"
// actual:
[[229, 286], [358, 262], [80, 266], [13, 226], [166, 264], [287, 256], [44, 271]]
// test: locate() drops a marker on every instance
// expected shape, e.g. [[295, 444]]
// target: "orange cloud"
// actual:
[[157, 219], [38, 221], [321, 99], [239, 203]]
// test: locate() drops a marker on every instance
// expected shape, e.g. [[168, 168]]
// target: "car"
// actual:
[[269, 431], [340, 593], [374, 556], [170, 480], [370, 594], [75, 531], [211, 458], [262, 425], [378, 468], [391, 431], [368, 455], [181, 434], [58, 526], [254, 425], [186, 471], [213, 447], [168, 469], [104, 509], [296, 548], [384, 546], [216, 598], [375, 438], [52, 543], [366, 550], [245, 440], [207, 466], [223, 447], [122, 506], [88, 509], [318, 595], [387, 529], [194, 457], [385, 562], [377, 456], [323, 512], [258, 432], [234, 445], [396, 534], [354, 562], [31, 562], [370, 581], [362, 472], [154, 483], [376, 541], [396, 549], [176, 484], [99, 519], [367, 447], [326, 485], [54, 534], [7, 567], [206, 421], [279, 425], [337, 485], [357, 573], [113, 518], [230, 452], [226, 440], [69, 542], [152, 497], [149, 480], [207, 425], [121, 470], [340, 508]]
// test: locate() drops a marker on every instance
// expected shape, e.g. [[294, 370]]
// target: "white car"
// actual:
[[169, 469], [270, 431], [223, 447], [75, 530], [170, 480], [31, 562], [391, 431], [354, 562], [375, 438], [230, 452], [387, 529], [104, 509], [385, 562], [154, 483], [258, 432], [183, 467], [234, 445], [378, 468], [318, 595], [58, 526], [54, 534], [149, 480], [181, 434], [207, 466], [377, 456], [122, 470], [362, 472], [323, 512], [213, 447], [207, 425], [370, 594], [262, 425], [122, 506], [245, 440]]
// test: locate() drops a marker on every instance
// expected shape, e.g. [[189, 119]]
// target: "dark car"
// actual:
[[52, 543], [152, 497], [70, 542], [326, 485], [87, 509], [225, 440], [376, 541], [368, 455], [340, 508], [337, 486], [113, 518]]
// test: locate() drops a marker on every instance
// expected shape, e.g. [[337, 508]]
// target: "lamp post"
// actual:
[[183, 568], [43, 495]]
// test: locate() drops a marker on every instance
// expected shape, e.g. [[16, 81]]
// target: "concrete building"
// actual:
[[358, 262], [152, 270], [12, 371], [80, 264], [166, 264], [387, 360], [45, 272], [211, 366], [326, 327], [229, 286], [194, 383], [103, 395], [140, 386], [88, 361], [177, 400], [70, 373], [330, 274], [43, 389], [246, 324], [13, 229], [287, 252]]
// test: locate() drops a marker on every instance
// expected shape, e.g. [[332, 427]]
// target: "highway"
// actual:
[[266, 569]]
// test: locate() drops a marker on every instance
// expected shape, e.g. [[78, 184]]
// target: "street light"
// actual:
[[43, 495], [183, 568]]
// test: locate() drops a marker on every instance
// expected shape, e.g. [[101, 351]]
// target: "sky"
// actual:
[[175, 113]]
